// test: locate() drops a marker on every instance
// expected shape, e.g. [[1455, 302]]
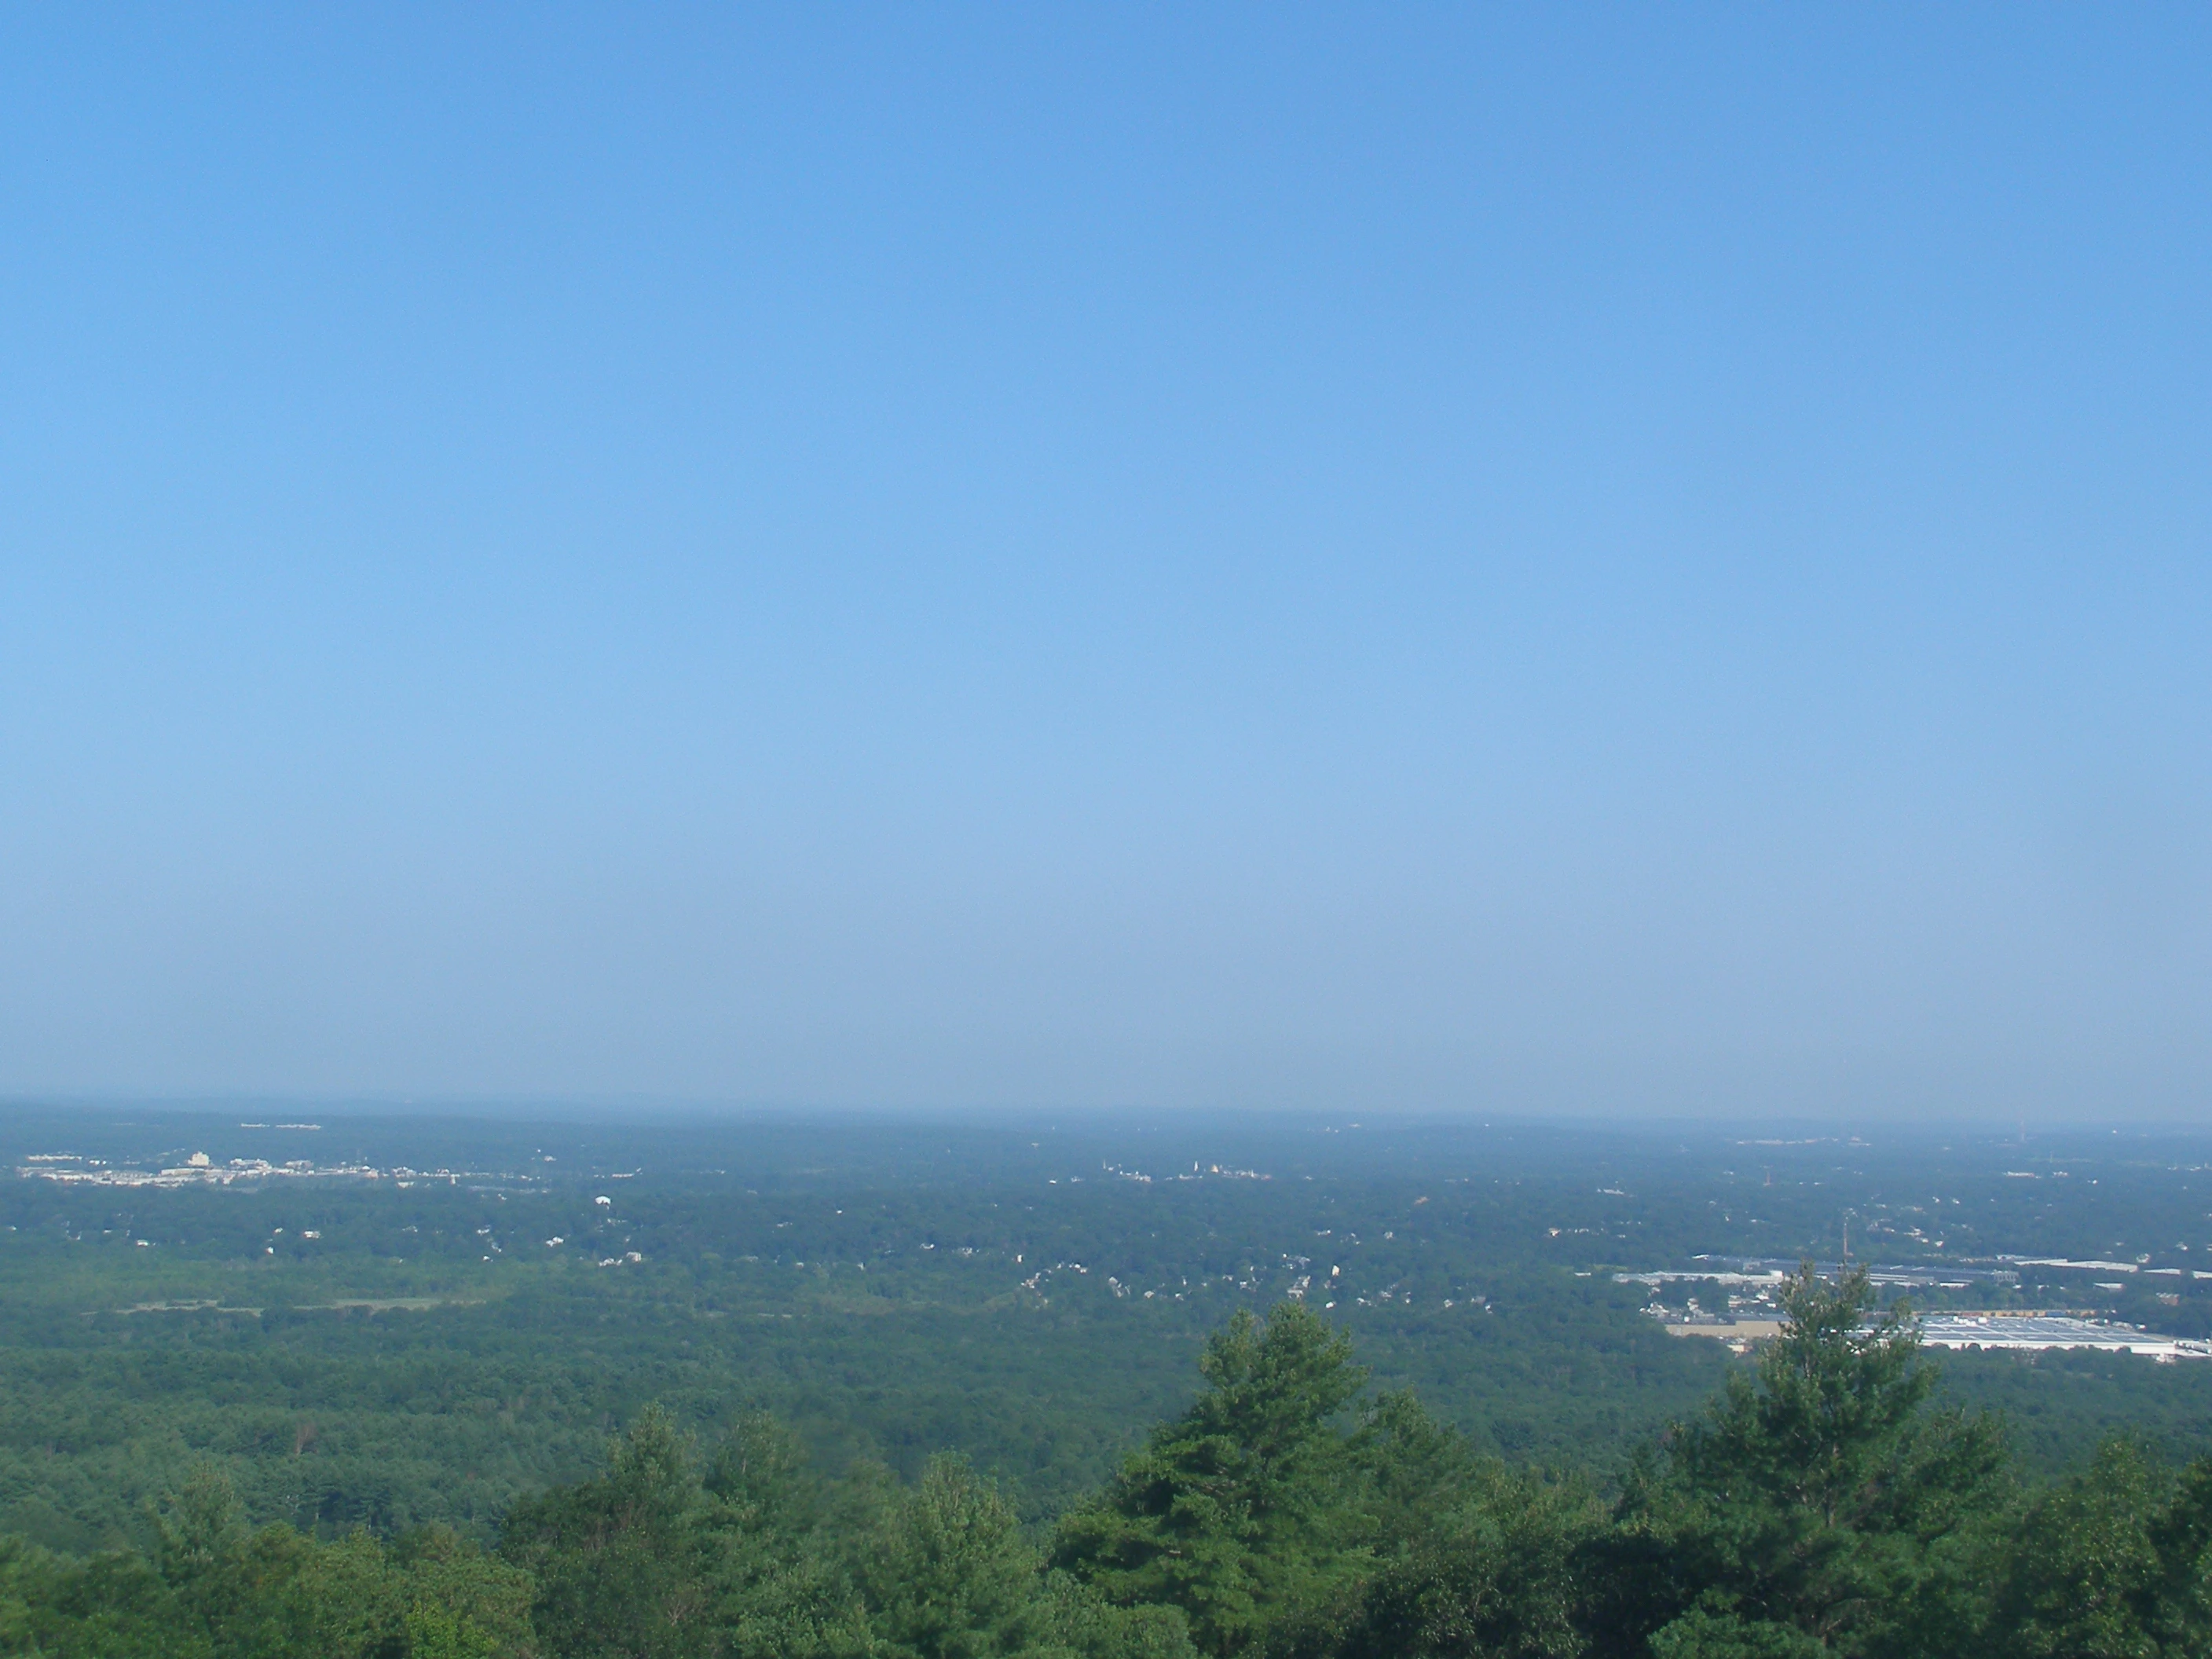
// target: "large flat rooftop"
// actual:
[[2042, 1331]]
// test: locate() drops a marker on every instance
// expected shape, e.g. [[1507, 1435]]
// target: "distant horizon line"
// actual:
[[664, 1111]]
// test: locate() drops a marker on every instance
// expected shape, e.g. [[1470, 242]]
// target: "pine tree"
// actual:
[[1821, 1502], [1237, 1512]]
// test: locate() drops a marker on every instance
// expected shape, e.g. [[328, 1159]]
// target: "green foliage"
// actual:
[[383, 1355], [1702, 1633], [620, 1563], [947, 1573], [2082, 1583], [1237, 1512], [2182, 1536], [1490, 1575], [1084, 1624], [1826, 1506], [1821, 1496], [2114, 1562], [756, 1558], [215, 1589]]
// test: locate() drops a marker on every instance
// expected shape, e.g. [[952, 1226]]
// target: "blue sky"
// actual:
[[1592, 560]]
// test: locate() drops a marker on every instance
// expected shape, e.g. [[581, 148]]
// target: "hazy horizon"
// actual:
[[1573, 562], [617, 1114]]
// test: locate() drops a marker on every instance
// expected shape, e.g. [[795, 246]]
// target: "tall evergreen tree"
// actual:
[[949, 1574], [620, 1563], [1237, 1512], [1821, 1503]]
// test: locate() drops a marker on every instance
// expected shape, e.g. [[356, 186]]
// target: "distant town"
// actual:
[[199, 1169]]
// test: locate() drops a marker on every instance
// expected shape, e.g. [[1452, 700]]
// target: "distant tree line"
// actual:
[[1823, 1504]]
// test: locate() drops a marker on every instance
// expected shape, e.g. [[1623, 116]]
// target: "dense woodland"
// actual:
[[1821, 1504], [893, 1391]]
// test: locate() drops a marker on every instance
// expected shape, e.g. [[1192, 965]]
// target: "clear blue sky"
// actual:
[[1623, 559]]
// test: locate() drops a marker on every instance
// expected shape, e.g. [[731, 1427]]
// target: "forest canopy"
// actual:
[[1825, 1501]]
